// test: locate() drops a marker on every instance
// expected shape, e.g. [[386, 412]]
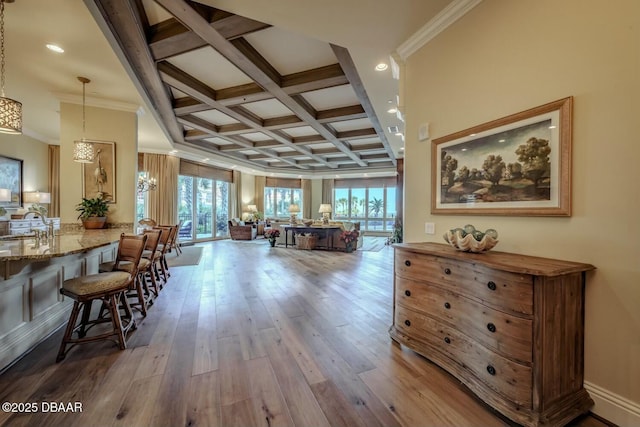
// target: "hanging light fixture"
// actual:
[[10, 109], [146, 184], [83, 149]]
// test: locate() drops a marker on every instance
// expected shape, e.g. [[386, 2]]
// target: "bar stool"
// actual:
[[152, 254], [163, 247], [107, 288], [138, 289]]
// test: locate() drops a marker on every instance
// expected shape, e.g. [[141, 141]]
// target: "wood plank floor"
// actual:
[[253, 336]]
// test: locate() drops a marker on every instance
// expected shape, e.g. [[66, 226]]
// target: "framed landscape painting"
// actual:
[[516, 165], [11, 178]]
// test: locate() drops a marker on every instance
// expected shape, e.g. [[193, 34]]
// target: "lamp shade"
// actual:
[[82, 151], [293, 208], [5, 195], [10, 116], [325, 208], [37, 197], [252, 208]]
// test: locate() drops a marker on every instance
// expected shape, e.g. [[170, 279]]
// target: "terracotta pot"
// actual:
[[94, 222]]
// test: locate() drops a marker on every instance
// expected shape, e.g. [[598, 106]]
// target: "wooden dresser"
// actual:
[[510, 327]]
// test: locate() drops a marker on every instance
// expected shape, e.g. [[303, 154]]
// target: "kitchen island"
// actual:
[[31, 275]]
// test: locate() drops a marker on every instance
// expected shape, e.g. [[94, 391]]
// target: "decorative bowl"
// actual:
[[308, 222], [462, 241]]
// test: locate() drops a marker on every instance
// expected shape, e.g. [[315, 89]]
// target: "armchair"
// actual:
[[240, 231]]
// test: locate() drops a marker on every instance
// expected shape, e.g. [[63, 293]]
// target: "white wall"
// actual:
[[102, 124], [507, 56]]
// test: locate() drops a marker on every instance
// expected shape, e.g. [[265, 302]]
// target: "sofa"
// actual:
[[322, 240], [238, 230]]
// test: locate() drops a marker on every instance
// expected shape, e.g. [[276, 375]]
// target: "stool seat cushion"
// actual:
[[97, 283]]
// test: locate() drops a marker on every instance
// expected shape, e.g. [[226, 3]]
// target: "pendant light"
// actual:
[[83, 149], [10, 109]]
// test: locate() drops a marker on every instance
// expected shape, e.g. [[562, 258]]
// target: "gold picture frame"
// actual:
[[516, 165], [99, 177]]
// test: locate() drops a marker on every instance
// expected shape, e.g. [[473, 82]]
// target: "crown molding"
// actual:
[[100, 103], [450, 14]]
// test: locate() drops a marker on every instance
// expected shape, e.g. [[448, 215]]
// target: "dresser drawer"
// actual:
[[498, 289], [507, 334], [510, 379]]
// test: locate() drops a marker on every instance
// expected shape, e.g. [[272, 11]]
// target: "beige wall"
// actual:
[[104, 125], [507, 56], [34, 155]]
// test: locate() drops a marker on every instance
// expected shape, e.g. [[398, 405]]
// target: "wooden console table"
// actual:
[[326, 231], [510, 327]]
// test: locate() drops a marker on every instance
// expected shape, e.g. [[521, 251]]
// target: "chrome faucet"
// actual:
[[43, 219]]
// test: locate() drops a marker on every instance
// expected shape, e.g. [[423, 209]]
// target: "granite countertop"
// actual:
[[23, 248]]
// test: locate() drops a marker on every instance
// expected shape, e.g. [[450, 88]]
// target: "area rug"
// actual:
[[190, 255], [373, 244]]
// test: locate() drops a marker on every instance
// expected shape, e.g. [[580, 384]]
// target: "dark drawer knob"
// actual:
[[447, 305], [407, 293], [447, 340], [491, 327], [407, 322], [492, 285], [491, 370], [447, 271], [407, 263]]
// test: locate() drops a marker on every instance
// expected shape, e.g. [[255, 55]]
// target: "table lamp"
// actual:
[[36, 198], [252, 211], [293, 211], [325, 210]]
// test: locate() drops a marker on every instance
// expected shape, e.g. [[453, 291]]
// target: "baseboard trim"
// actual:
[[613, 407]]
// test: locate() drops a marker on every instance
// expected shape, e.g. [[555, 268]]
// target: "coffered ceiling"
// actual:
[[285, 87], [249, 91]]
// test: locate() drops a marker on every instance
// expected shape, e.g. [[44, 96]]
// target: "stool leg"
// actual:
[[68, 332], [86, 313], [152, 276], [141, 299], [116, 321]]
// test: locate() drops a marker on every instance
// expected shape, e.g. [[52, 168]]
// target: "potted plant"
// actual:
[[271, 234], [93, 212], [349, 238]]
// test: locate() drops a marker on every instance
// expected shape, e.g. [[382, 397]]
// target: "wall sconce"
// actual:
[[325, 210], [146, 184]]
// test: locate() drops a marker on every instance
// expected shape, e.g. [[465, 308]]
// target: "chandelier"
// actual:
[[146, 184], [83, 149], [10, 109]]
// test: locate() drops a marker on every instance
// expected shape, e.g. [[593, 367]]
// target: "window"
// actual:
[[372, 202], [278, 199], [203, 203]]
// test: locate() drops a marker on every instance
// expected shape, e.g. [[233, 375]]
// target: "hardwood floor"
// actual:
[[253, 336]]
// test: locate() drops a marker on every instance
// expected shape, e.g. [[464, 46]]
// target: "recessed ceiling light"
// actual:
[[392, 110], [55, 48], [381, 66], [401, 148], [552, 127], [206, 159]]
